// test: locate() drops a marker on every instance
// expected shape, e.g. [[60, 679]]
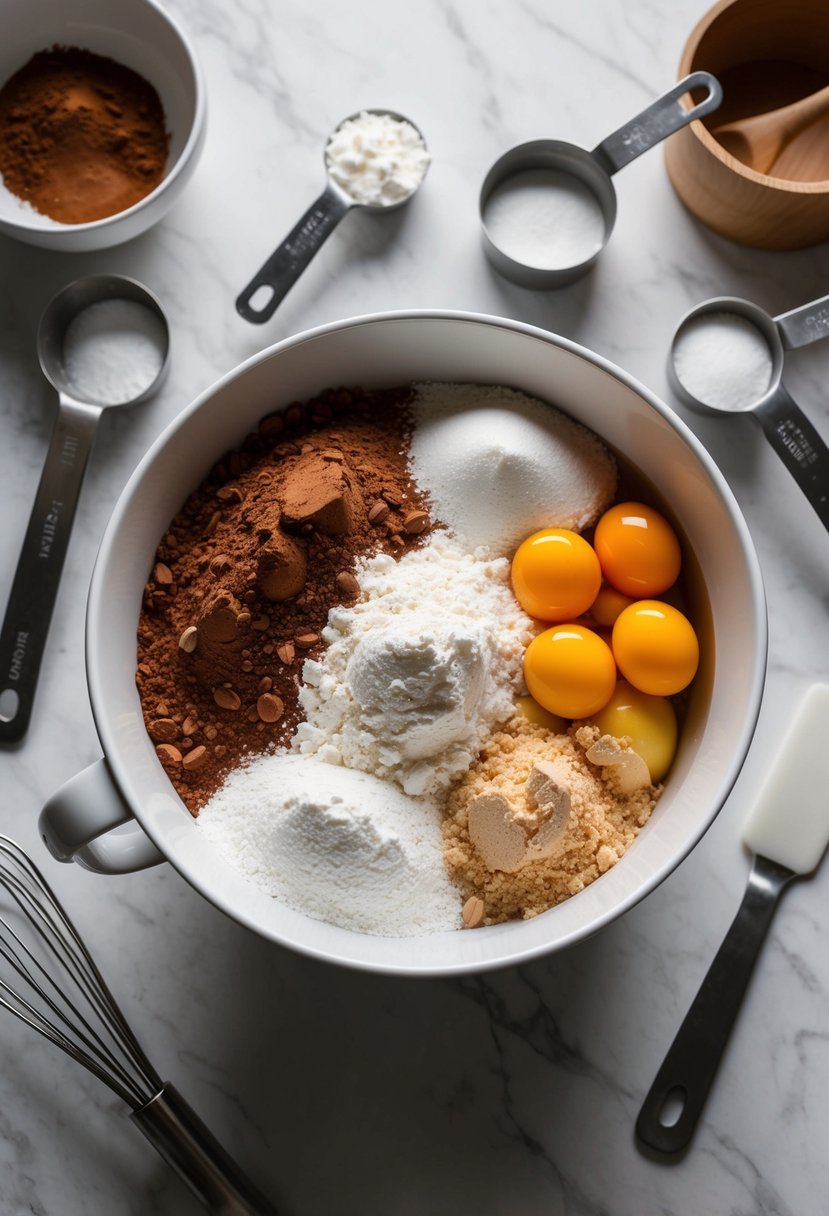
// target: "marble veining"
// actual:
[[355, 1095]]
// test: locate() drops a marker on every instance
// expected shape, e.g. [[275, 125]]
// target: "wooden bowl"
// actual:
[[766, 54]]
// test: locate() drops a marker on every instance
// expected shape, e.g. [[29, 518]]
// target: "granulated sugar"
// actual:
[[499, 465], [419, 671], [545, 218], [339, 845], [723, 360]]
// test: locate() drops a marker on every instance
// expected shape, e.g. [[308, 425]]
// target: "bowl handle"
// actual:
[[77, 823]]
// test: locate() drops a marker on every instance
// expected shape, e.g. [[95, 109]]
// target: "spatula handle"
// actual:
[[691, 1064]]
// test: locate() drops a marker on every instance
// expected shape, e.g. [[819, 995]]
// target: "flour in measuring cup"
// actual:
[[113, 351], [723, 360], [545, 218]]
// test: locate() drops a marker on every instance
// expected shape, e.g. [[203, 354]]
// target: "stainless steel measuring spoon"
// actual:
[[37, 578], [587, 174], [273, 281], [786, 427]]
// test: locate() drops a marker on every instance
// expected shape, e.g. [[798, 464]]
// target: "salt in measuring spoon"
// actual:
[[68, 365], [272, 282], [786, 427], [578, 183]]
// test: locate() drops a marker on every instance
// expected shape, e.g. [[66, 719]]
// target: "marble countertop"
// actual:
[[346, 1094]]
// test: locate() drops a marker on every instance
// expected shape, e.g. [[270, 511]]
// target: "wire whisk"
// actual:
[[49, 980]]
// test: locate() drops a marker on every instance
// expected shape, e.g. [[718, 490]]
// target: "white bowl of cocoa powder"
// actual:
[[123, 813], [102, 120]]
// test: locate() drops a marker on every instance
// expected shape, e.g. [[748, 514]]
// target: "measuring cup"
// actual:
[[786, 427], [37, 578], [282, 269], [578, 203]]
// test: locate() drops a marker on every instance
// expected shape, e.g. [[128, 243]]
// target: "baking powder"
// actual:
[[377, 159], [113, 351]]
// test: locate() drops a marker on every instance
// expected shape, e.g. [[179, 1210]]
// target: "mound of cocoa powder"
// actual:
[[247, 572], [82, 137]]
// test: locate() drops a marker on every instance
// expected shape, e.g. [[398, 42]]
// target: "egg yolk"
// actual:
[[649, 722], [555, 575], [655, 647], [570, 671], [638, 550], [607, 605], [539, 716]]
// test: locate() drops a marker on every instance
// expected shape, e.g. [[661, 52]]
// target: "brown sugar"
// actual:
[[240, 588], [603, 821]]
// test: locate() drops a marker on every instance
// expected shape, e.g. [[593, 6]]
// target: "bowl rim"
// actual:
[[97, 604], [22, 224]]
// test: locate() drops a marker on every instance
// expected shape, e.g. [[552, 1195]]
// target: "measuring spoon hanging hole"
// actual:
[[103, 342], [375, 159]]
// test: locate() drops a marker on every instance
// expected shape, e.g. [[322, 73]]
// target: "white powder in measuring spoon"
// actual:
[[723, 360], [113, 351], [377, 159], [545, 218]]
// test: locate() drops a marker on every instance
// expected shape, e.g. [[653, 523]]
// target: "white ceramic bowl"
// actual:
[[383, 350], [143, 37]]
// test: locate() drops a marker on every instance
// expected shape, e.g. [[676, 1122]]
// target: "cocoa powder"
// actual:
[[81, 136], [241, 585]]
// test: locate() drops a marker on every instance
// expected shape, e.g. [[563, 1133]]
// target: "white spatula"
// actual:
[[788, 831]]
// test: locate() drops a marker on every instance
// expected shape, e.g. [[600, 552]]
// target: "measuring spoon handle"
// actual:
[[803, 325], [287, 263], [659, 120], [693, 1058], [799, 446], [37, 578]]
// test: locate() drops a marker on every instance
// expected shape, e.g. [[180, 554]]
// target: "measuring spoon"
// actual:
[[786, 427], [37, 578], [571, 190], [269, 286]]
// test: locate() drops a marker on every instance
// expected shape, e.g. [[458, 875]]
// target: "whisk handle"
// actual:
[[184, 1142]]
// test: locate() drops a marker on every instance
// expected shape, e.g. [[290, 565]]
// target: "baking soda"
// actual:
[[113, 351], [723, 360], [545, 218]]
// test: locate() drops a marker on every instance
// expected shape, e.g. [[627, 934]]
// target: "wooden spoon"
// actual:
[[805, 158], [757, 141]]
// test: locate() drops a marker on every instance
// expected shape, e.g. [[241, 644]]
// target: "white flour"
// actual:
[[416, 702], [377, 159], [723, 360], [545, 218], [499, 465], [339, 845], [113, 351]]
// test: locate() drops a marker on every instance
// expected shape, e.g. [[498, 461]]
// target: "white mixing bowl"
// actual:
[[129, 786]]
